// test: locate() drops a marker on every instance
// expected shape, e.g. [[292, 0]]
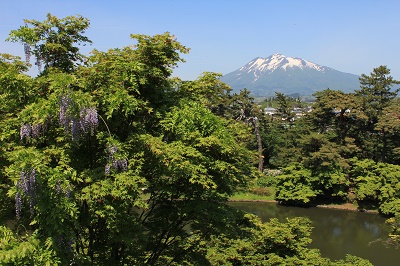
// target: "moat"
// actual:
[[336, 232]]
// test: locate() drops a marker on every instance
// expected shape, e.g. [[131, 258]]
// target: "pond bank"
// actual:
[[347, 207], [344, 206]]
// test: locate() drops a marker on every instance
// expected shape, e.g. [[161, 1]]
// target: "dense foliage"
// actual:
[[345, 150], [107, 160]]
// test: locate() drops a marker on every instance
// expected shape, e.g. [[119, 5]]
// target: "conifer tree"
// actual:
[[377, 90]]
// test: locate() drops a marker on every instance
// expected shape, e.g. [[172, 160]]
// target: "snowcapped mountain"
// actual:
[[276, 61], [289, 75]]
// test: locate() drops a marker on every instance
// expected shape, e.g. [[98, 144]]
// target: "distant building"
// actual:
[[269, 111], [298, 112], [338, 111]]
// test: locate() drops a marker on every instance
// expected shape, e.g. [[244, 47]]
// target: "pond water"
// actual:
[[336, 232]]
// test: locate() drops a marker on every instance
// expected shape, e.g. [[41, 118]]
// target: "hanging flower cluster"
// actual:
[[66, 103], [31, 131], [26, 185], [28, 53], [86, 122], [60, 190], [117, 164], [38, 62], [27, 50], [89, 119]]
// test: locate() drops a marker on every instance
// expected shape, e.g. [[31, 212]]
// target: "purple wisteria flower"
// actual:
[[89, 119], [26, 185], [25, 131], [116, 164], [86, 122]]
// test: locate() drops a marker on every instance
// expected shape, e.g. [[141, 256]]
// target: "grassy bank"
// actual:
[[267, 194], [255, 194], [247, 196]]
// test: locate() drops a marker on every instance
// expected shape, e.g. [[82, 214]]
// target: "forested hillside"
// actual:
[[108, 160]]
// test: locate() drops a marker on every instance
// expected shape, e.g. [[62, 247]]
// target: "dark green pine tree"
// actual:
[[377, 92], [285, 106]]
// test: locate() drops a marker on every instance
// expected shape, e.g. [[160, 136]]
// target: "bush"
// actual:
[[261, 191], [268, 178]]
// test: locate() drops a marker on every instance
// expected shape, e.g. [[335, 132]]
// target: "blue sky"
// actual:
[[350, 36]]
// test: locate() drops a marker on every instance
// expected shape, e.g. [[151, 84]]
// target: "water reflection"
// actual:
[[336, 232]]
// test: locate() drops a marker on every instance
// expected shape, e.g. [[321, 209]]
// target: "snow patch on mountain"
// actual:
[[278, 61]]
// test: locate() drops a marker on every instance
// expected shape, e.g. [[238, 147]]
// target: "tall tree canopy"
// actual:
[[52, 41], [377, 90]]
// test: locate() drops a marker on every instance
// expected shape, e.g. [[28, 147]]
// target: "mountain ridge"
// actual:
[[263, 76]]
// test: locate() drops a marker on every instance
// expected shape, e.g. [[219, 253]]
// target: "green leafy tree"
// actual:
[[25, 250], [250, 113], [16, 90], [272, 138], [376, 184], [215, 95], [287, 141], [74, 168], [324, 159], [109, 166], [337, 111], [388, 126], [197, 162], [210, 91], [52, 41], [296, 185], [320, 174]]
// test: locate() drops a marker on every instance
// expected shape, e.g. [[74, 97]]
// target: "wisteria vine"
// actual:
[[26, 185], [65, 191], [32, 131], [27, 50], [117, 164], [86, 122]]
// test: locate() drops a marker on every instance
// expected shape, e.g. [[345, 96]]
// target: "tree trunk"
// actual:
[[384, 147], [259, 144]]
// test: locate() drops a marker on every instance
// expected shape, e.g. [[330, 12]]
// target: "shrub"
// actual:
[[261, 191]]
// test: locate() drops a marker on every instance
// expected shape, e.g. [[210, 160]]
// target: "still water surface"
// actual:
[[336, 232]]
